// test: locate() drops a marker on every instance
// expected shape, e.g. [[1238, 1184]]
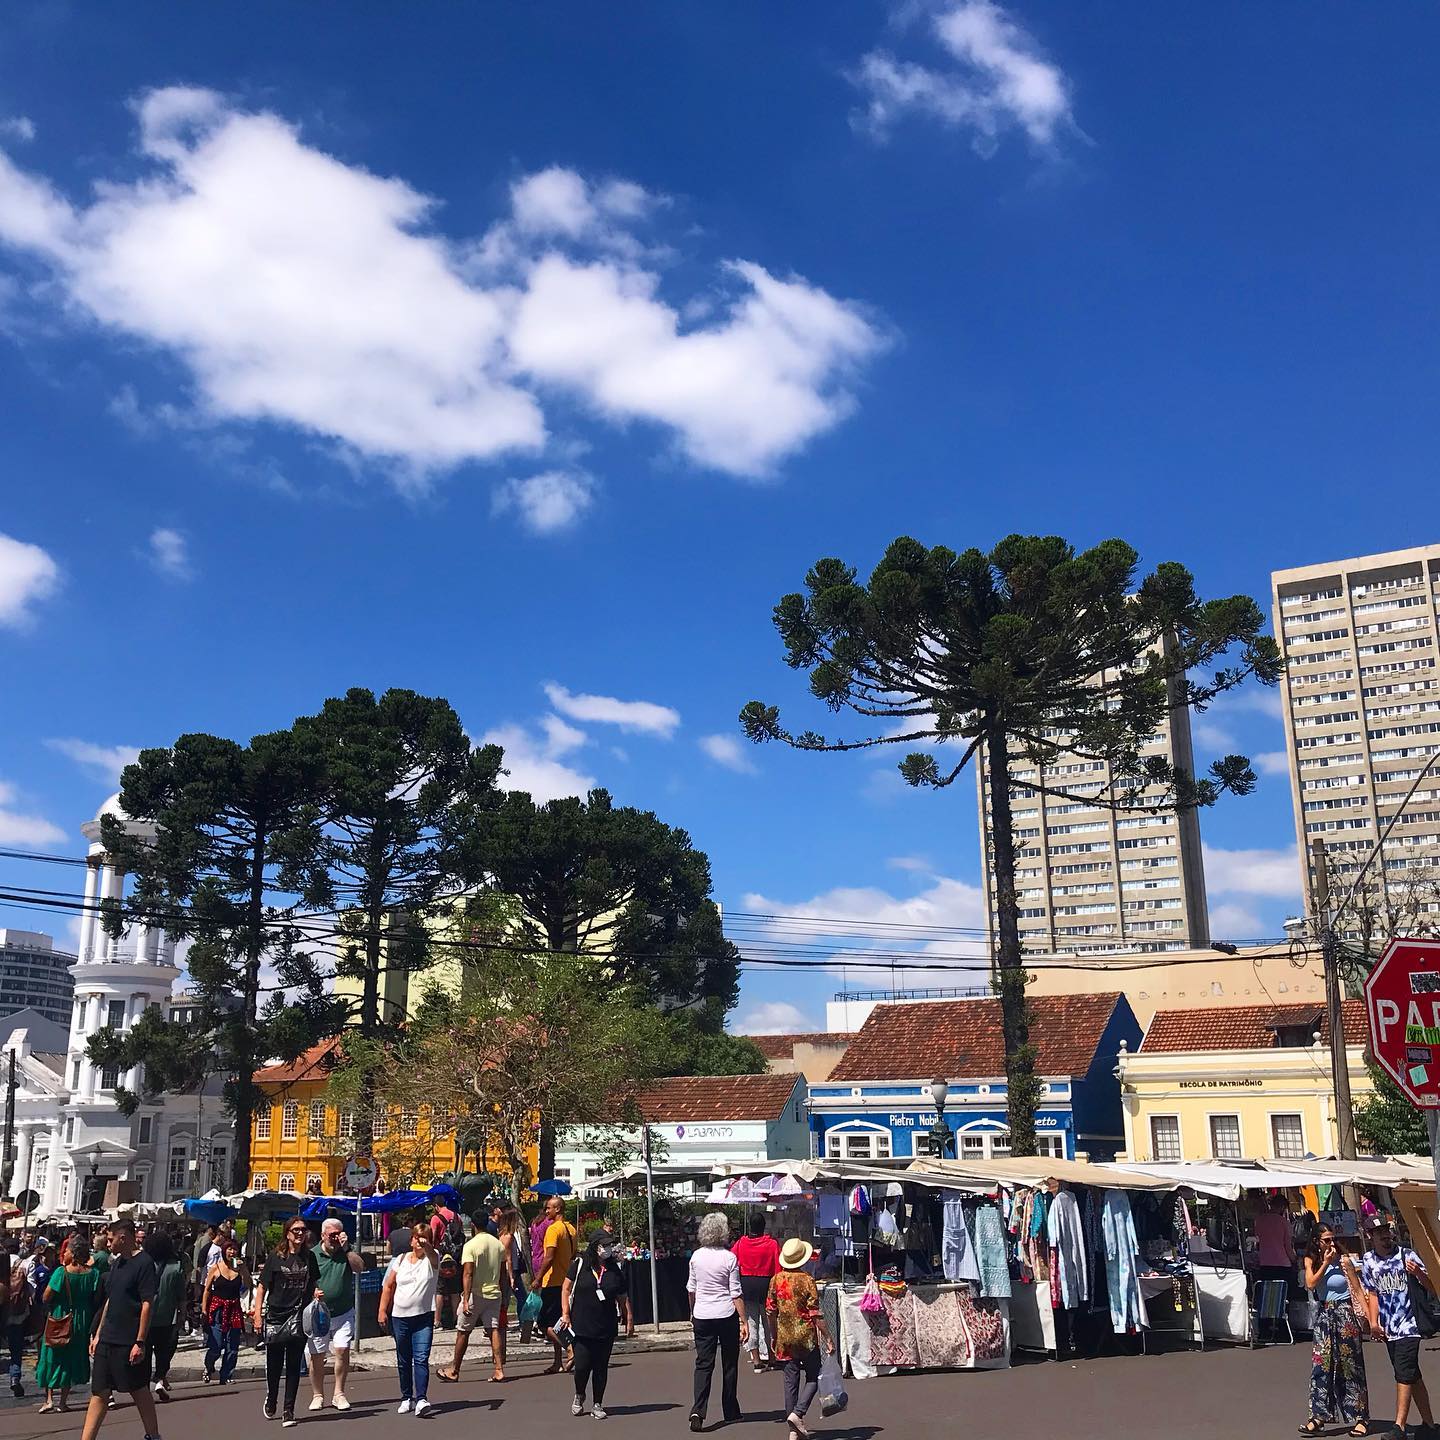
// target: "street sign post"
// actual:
[[1402, 1001], [362, 1174]]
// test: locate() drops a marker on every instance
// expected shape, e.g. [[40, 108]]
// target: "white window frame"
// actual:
[[1179, 1137], [1215, 1151], [110, 1022], [69, 1129], [879, 1143], [409, 1124], [109, 1077], [318, 1178], [262, 1122], [317, 1119], [145, 1130], [179, 1154], [290, 1120], [345, 1124], [287, 1182], [260, 1180], [1274, 1139]]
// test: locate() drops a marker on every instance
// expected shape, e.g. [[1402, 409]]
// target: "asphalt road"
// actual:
[[1180, 1396]]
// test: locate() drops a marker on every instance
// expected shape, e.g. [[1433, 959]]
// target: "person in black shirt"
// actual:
[[120, 1340], [286, 1285], [593, 1285]]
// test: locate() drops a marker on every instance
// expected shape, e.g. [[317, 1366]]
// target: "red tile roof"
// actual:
[[782, 1047], [314, 1064], [716, 1097], [1246, 1027], [963, 1038]]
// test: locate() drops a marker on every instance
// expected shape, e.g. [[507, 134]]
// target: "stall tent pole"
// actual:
[[650, 1212], [360, 1251], [1432, 1126]]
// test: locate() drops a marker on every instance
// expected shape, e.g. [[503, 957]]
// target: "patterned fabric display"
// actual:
[[940, 1335], [986, 1326], [892, 1334]]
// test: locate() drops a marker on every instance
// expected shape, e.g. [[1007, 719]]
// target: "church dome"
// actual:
[[111, 807]]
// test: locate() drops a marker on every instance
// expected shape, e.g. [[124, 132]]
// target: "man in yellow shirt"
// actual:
[[484, 1267], [561, 1243]]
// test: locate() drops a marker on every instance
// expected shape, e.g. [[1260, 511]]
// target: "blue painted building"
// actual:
[[877, 1104]]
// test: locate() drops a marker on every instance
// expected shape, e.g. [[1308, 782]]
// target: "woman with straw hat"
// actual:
[[793, 1306]]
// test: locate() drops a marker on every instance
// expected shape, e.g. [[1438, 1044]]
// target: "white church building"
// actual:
[[71, 1138]]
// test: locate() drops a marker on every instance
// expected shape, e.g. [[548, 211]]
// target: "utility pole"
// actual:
[[1330, 958]]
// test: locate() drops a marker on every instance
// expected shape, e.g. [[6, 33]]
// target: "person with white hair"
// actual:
[[338, 1266], [717, 1313]]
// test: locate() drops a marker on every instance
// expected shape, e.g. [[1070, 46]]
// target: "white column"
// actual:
[[134, 1009], [142, 942], [22, 1160], [93, 1017], [89, 919]]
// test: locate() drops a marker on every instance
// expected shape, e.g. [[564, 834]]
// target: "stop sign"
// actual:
[[1402, 999]]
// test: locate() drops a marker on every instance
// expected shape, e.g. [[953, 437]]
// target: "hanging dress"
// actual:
[[1122, 1263]]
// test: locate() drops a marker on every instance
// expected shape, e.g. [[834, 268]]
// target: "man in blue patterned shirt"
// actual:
[[1384, 1272]]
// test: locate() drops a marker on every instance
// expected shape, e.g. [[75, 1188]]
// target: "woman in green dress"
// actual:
[[71, 1291]]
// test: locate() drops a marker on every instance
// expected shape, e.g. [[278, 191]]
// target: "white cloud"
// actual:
[[302, 290], [998, 79], [917, 864], [726, 750], [1233, 923], [1212, 737], [642, 716], [774, 1017], [25, 832], [560, 737], [546, 503], [27, 576], [1274, 873], [1271, 762], [104, 761], [532, 763], [18, 127], [169, 553]]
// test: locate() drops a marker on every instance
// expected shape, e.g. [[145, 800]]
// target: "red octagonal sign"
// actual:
[[1402, 998]]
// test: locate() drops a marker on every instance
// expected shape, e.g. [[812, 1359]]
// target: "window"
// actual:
[[347, 1124], [409, 1124], [314, 1184], [439, 1121], [115, 1014], [858, 1144], [290, 1120], [562, 1172], [260, 1181], [1287, 1135], [145, 1127], [178, 1175], [1225, 1137], [1165, 1137], [69, 1129], [219, 1167], [317, 1117], [75, 1074], [287, 1181], [1051, 1145], [39, 1173], [109, 1077], [262, 1123]]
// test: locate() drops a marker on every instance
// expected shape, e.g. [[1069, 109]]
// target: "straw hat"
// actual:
[[795, 1254]]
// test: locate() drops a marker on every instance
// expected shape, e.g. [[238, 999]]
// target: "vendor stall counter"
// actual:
[[923, 1327]]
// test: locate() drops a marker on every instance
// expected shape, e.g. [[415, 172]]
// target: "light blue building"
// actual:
[[876, 1103]]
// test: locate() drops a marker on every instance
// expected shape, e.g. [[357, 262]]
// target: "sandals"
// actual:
[[1310, 1427], [48, 1408], [449, 1377], [1360, 1429]]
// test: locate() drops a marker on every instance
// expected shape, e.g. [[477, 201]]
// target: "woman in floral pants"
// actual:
[[1338, 1393]]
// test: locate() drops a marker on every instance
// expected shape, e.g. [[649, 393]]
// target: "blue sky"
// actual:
[[527, 356]]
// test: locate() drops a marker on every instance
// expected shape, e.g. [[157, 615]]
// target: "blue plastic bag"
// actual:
[[530, 1310], [833, 1396]]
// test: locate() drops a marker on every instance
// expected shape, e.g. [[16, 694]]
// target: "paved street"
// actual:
[[1184, 1396]]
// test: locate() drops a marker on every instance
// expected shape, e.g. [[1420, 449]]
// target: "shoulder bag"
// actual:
[[1423, 1305], [1357, 1294], [60, 1328]]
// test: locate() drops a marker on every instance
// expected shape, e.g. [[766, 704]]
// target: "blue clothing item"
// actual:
[[1122, 1263], [957, 1252], [1333, 1285], [990, 1248], [413, 1334], [222, 1345], [1385, 1279], [15, 1339], [1039, 1205]]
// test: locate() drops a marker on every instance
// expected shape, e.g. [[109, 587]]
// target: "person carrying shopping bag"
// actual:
[[797, 1328], [287, 1284]]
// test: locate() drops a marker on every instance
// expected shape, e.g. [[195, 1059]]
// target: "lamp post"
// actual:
[[941, 1140]]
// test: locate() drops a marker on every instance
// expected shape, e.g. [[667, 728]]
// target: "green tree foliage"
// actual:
[[404, 794], [1387, 1123], [688, 1046], [1029, 654], [226, 855]]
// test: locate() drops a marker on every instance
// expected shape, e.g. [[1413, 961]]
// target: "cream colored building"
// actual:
[[1092, 880], [1244, 1082], [1187, 979], [1362, 713]]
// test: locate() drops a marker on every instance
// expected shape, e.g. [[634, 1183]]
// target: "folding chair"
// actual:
[[1272, 1305]]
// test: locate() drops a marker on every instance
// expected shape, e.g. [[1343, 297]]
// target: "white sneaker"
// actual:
[[577, 1406], [423, 1407], [597, 1412], [403, 1408], [317, 1402], [340, 1402]]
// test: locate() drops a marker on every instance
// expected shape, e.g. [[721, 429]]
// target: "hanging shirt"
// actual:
[[957, 1252], [1067, 1245]]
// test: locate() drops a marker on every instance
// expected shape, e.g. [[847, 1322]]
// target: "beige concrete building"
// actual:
[[1093, 880], [1362, 720]]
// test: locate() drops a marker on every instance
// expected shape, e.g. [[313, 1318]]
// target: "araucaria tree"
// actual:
[[1020, 659], [231, 863]]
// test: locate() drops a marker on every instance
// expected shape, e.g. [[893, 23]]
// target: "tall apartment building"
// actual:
[[35, 975], [1362, 717], [1094, 880]]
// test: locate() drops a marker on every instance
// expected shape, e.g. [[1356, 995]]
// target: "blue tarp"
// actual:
[[552, 1187], [320, 1205]]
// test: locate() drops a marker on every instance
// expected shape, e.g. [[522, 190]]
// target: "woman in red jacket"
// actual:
[[759, 1257]]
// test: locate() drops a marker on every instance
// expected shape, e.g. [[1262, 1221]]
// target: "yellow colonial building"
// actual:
[[1238, 1082], [300, 1140]]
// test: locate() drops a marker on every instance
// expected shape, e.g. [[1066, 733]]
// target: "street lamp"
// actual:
[[941, 1140]]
